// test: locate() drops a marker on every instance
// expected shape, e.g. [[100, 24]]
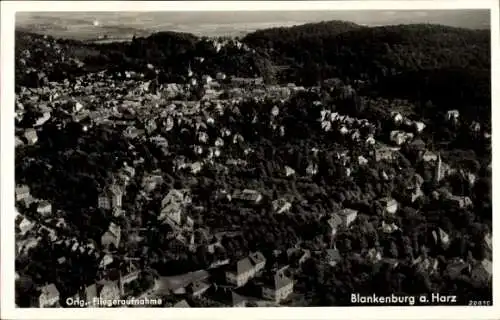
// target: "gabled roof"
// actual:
[[50, 290], [243, 266], [257, 257], [182, 304]]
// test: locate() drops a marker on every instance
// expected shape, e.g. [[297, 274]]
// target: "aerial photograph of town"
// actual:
[[253, 159]]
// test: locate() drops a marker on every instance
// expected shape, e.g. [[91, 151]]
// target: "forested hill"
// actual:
[[370, 53]]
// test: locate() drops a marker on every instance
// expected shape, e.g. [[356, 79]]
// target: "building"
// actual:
[[112, 236], [347, 216], [181, 304], [108, 290], [111, 198], [429, 156], [49, 296], [281, 206], [248, 195], [31, 136], [452, 115], [460, 201], [258, 260], [389, 205], [334, 224], [198, 288], [25, 226], [241, 272], [481, 272], [441, 237], [426, 264], [22, 192], [89, 293], [332, 257], [238, 301], [384, 153], [279, 288], [126, 279], [44, 208]]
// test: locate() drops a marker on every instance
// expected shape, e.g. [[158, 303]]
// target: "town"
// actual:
[[226, 191]]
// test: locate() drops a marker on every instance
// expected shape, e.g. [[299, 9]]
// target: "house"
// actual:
[[25, 226], [488, 241], [197, 288], [460, 201], [347, 216], [389, 205], [241, 272], [456, 267], [396, 117], [441, 237], [384, 153], [452, 115], [49, 296], [481, 272], [44, 208], [312, 169], [107, 290], [31, 136], [281, 206], [112, 236], [334, 224], [419, 126], [41, 120], [195, 167], [110, 198], [238, 301], [332, 257], [426, 264], [258, 260], [374, 255], [362, 160], [400, 137], [248, 195], [429, 156], [126, 279], [389, 228], [279, 288], [106, 260], [22, 192], [181, 304]]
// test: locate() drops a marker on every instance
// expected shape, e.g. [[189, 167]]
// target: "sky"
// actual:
[[88, 25]]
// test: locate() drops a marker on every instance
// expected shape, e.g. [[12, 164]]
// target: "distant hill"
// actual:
[[348, 50]]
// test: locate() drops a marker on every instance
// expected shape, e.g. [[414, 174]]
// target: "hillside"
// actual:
[[392, 60]]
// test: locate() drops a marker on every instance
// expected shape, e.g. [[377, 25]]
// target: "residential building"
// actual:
[[441, 237], [248, 195], [89, 293], [481, 272], [279, 288], [452, 115], [281, 206], [429, 156], [112, 236], [238, 301], [347, 216], [44, 208], [197, 288], [258, 260], [425, 264], [460, 201], [384, 153], [25, 226], [241, 272], [49, 296], [106, 260], [31, 136], [334, 223], [126, 279], [181, 304], [108, 290], [289, 171], [111, 198], [332, 257], [22, 192], [374, 255], [389, 205]]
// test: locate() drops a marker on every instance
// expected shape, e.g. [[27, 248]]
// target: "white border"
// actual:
[[8, 311]]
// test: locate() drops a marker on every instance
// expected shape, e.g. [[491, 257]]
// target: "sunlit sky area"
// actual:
[[87, 25]]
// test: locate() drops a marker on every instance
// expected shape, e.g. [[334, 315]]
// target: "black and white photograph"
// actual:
[[249, 158]]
